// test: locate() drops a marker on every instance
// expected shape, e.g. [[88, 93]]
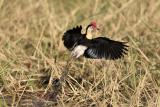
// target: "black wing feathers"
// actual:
[[71, 37], [105, 48]]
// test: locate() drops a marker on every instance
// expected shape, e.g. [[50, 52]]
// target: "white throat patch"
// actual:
[[78, 51], [89, 36]]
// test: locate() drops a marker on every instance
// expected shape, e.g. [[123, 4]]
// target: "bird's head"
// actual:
[[92, 27]]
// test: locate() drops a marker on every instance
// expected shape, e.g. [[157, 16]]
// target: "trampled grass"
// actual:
[[36, 70]]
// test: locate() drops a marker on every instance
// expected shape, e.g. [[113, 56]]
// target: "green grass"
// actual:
[[31, 51]]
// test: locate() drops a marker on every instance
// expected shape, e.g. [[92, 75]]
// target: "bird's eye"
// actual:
[[92, 28]]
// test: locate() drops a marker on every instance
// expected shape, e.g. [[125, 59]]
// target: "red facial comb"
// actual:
[[94, 24]]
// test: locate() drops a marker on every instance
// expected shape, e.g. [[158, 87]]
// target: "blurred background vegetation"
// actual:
[[36, 70]]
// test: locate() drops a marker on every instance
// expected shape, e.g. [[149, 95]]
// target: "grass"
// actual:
[[36, 70]]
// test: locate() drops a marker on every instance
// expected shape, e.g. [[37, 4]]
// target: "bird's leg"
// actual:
[[78, 51]]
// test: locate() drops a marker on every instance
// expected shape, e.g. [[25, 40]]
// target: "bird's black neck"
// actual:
[[87, 29]]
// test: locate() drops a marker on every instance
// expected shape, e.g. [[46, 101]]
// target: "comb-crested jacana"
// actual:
[[97, 48]]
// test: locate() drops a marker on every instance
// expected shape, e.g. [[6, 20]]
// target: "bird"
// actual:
[[83, 44]]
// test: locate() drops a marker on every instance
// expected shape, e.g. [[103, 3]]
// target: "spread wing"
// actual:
[[105, 48], [71, 37]]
